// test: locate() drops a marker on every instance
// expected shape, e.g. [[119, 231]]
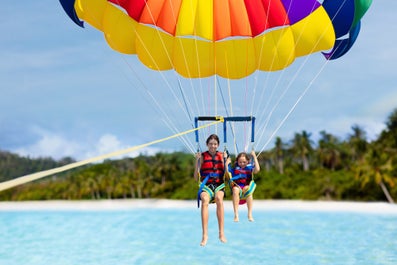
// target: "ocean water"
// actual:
[[172, 236]]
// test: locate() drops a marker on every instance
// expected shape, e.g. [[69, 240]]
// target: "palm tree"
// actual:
[[141, 176], [377, 166], [358, 143], [389, 136], [329, 154], [265, 158], [89, 184], [302, 147], [279, 154]]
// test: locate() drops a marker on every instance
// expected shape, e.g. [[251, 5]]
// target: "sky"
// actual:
[[64, 92]]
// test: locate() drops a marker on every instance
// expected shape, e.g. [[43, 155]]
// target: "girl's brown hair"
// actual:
[[242, 154], [212, 136]]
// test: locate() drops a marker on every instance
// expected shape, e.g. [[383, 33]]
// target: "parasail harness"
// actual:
[[211, 168], [243, 174]]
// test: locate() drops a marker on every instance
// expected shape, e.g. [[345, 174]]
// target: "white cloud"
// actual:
[[108, 143], [56, 146], [50, 145], [342, 126]]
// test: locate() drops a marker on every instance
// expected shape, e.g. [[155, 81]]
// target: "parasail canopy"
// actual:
[[229, 38]]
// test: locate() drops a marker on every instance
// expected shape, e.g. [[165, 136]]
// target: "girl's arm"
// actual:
[[227, 165], [228, 161], [256, 163]]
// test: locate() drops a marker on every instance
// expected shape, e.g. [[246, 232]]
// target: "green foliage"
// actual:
[[12, 165], [354, 169]]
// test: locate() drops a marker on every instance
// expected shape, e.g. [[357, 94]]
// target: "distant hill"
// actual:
[[13, 165]]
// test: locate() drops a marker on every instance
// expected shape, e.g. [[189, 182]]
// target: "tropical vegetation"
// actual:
[[329, 169]]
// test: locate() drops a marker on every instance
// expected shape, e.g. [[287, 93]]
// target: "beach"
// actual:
[[262, 205]]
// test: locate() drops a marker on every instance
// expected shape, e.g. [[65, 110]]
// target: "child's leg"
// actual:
[[249, 206], [236, 200]]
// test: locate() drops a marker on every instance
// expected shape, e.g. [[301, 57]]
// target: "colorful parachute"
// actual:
[[230, 38]]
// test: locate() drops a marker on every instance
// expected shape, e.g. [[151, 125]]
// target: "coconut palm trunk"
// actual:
[[386, 192]]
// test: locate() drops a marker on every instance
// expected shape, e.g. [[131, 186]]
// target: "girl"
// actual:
[[242, 183]]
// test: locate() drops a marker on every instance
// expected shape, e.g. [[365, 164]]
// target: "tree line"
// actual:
[[330, 169]]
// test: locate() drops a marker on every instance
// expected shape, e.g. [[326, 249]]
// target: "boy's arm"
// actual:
[[197, 166]]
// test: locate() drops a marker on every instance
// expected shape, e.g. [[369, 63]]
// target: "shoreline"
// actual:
[[259, 205]]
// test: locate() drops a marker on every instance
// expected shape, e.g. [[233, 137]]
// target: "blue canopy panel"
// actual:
[[342, 46], [68, 6]]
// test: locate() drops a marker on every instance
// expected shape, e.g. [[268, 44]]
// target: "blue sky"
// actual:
[[64, 92]]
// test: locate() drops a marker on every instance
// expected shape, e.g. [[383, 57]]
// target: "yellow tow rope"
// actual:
[[34, 176]]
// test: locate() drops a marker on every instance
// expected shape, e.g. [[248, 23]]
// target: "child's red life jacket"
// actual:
[[213, 166]]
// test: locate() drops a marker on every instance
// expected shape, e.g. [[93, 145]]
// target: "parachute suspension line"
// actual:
[[184, 101], [302, 94], [225, 120], [269, 107], [190, 79], [290, 84], [35, 176], [294, 106], [272, 108], [230, 99], [139, 79], [255, 86], [215, 97], [253, 102], [252, 107], [253, 97], [265, 85], [244, 119], [222, 96], [203, 103], [166, 118], [215, 102], [273, 90], [245, 98], [278, 81], [168, 85], [227, 111], [246, 142], [231, 112], [270, 94], [206, 104], [185, 110]]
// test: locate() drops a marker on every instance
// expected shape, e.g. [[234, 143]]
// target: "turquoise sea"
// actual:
[[172, 236]]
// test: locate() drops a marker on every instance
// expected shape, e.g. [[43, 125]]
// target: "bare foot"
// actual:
[[204, 241], [222, 238], [250, 218], [236, 218]]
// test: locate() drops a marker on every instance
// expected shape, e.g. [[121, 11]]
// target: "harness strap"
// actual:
[[240, 176], [204, 187], [202, 184]]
